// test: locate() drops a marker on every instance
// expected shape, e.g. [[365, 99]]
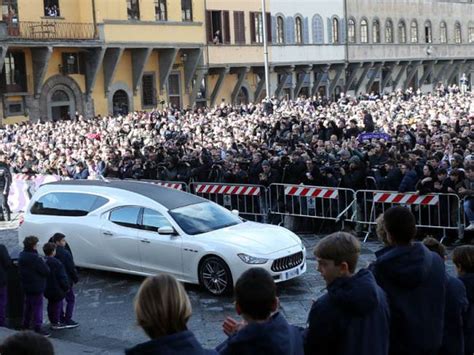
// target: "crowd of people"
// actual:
[[403, 303]]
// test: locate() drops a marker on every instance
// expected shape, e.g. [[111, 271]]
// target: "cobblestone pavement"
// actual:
[[105, 302]]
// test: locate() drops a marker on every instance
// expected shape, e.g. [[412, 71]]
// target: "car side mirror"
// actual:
[[167, 230], [235, 212]]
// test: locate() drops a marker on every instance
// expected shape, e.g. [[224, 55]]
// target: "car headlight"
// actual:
[[251, 259]]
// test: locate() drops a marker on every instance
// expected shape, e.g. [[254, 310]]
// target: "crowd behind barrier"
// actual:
[[433, 211]]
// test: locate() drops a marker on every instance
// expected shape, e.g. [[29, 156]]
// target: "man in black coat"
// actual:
[[5, 183], [392, 180], [354, 306], [33, 273], [414, 280], [65, 256], [5, 264], [57, 284]]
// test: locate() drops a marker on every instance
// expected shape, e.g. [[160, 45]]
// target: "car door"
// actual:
[[120, 239], [159, 253]]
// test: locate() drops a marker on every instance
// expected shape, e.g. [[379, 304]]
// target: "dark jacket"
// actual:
[[274, 337], [5, 178], [65, 256], [182, 343], [352, 318], [5, 263], [409, 181], [414, 280], [57, 282], [392, 181], [456, 307], [468, 281], [33, 272]]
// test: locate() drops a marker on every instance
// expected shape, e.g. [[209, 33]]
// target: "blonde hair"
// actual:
[[380, 230], [162, 306]]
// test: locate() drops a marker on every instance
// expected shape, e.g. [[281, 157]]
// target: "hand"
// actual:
[[231, 326], [450, 190], [437, 185], [462, 190], [343, 172]]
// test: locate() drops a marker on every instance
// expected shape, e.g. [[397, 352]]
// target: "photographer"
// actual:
[[391, 181], [313, 174], [268, 175], [353, 176]]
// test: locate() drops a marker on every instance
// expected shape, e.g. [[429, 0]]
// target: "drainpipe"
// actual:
[[94, 19]]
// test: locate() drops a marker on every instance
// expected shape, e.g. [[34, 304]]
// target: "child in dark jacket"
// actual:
[[33, 273], [414, 280], [5, 264], [56, 286], [353, 316], [456, 307], [463, 258], [263, 331]]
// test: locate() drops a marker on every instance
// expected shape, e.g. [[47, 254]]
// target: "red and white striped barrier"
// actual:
[[406, 199], [171, 185], [315, 192], [228, 190]]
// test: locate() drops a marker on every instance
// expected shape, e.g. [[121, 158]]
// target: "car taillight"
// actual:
[[21, 219]]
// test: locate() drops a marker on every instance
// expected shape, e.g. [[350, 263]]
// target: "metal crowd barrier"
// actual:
[[436, 211], [249, 200], [312, 202]]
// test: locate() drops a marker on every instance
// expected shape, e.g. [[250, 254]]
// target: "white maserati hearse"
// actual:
[[144, 229]]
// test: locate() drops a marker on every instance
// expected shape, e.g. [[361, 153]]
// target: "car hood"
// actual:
[[254, 238]]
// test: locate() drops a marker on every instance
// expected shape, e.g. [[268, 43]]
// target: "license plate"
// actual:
[[292, 273]]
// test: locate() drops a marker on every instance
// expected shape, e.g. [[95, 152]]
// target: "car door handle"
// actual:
[[107, 233], [145, 241]]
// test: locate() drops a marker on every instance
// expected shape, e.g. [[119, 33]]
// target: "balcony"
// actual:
[[51, 31]]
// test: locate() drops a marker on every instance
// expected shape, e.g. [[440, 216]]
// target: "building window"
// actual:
[[148, 91], [428, 32], [471, 32], [186, 10], [13, 77], [443, 32], [161, 12], [376, 31], [218, 27], [351, 31], [457, 33], [202, 91], [51, 8], [256, 27], [10, 11], [402, 32], [389, 31], [414, 32], [72, 63], [335, 30], [14, 108], [318, 29], [239, 27], [280, 30], [364, 31], [298, 30], [133, 9]]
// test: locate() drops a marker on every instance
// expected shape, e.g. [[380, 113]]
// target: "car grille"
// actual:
[[288, 262]]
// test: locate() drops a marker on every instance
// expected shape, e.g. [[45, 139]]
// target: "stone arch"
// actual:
[[120, 85], [63, 83]]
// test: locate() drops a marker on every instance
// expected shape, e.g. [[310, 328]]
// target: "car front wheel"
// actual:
[[215, 276]]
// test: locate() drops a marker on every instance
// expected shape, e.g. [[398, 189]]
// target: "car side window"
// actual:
[[152, 220], [67, 204], [125, 216]]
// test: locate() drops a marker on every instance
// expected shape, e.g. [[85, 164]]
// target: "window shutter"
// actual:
[[210, 35], [274, 27], [318, 30], [269, 27], [290, 30], [82, 63], [226, 27], [242, 27], [329, 21], [305, 31], [252, 27], [342, 31]]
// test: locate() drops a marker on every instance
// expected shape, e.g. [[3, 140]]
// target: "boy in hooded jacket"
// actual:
[[463, 259], [264, 330], [414, 279], [353, 317]]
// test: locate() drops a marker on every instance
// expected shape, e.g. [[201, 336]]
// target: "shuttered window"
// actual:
[[256, 27], [239, 27], [148, 90]]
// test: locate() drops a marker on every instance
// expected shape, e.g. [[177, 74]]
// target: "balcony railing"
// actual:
[[52, 30]]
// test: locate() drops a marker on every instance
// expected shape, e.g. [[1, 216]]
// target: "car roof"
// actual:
[[168, 197]]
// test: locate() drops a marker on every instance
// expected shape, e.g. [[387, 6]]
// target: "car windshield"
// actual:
[[203, 217]]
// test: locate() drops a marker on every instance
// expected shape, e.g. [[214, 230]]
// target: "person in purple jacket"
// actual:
[[33, 274]]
